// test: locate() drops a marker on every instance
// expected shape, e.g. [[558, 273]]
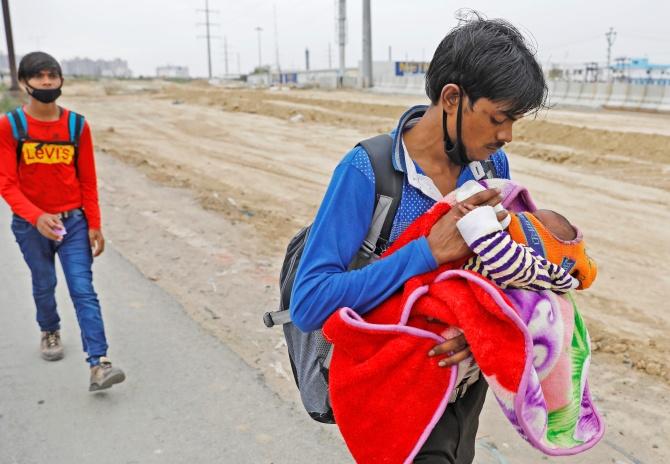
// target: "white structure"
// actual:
[[172, 72], [96, 68], [321, 78]]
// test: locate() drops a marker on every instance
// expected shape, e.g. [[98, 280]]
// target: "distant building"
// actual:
[[624, 69], [640, 71], [172, 72], [86, 67]]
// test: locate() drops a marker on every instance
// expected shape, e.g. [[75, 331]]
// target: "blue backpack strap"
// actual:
[[75, 126], [19, 123], [17, 119]]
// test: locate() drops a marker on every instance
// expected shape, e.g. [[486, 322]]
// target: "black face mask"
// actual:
[[456, 151], [44, 95]]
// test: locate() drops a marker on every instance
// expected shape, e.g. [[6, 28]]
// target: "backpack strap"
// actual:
[[19, 123], [483, 169], [17, 119], [388, 190], [75, 126]]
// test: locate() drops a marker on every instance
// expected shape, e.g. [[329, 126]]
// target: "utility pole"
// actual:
[[225, 52], [10, 46], [611, 36], [330, 57], [239, 68], [259, 30], [208, 36], [307, 59], [276, 41], [367, 46], [390, 54], [341, 38]]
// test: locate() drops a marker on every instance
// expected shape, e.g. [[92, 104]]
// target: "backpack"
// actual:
[[309, 352], [19, 123]]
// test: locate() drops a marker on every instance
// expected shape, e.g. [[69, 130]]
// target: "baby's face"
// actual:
[[556, 224]]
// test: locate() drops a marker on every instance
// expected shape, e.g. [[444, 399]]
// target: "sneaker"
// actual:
[[104, 375], [51, 347]]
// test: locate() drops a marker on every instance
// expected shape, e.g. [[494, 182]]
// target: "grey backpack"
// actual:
[[309, 352]]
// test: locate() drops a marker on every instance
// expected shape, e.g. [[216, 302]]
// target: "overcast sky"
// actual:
[[150, 33]]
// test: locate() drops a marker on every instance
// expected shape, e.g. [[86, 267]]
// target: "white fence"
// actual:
[[616, 96]]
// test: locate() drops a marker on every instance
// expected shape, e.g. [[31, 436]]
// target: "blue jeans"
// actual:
[[74, 254]]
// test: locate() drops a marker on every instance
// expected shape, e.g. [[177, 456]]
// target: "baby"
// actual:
[[538, 250]]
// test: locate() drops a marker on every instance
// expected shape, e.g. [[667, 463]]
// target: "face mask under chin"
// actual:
[[44, 95]]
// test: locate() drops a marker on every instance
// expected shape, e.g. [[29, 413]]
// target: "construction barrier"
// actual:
[[618, 95], [653, 97], [664, 106], [573, 94], [558, 95], [587, 95], [602, 93], [634, 97]]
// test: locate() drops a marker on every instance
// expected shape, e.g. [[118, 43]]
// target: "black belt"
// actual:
[[68, 213]]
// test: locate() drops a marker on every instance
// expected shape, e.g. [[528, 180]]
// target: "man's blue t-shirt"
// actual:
[[322, 283]]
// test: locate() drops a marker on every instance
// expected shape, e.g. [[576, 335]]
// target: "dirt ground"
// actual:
[[202, 187]]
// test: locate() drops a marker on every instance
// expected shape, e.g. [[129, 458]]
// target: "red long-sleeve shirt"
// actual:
[[49, 184]]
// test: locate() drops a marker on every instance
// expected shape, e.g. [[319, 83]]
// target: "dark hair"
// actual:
[[35, 62], [488, 58], [557, 224]]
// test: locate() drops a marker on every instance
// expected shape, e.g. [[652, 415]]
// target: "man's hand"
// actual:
[[47, 224], [456, 349], [97, 242], [445, 240]]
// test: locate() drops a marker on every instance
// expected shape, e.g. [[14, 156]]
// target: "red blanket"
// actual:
[[387, 394]]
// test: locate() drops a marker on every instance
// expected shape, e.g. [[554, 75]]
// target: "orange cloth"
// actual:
[[526, 229]]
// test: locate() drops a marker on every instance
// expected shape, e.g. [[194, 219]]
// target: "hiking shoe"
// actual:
[[104, 375], [51, 347]]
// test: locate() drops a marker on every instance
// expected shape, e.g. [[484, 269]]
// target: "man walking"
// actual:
[[47, 176], [483, 77]]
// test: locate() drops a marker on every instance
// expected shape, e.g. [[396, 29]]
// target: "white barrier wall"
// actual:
[[616, 96], [665, 102], [619, 95]]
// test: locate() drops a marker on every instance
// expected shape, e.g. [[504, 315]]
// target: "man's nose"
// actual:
[[505, 134]]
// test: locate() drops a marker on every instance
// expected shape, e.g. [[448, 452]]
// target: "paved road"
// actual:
[[187, 398]]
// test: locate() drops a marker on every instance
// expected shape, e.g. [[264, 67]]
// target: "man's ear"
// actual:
[[449, 98]]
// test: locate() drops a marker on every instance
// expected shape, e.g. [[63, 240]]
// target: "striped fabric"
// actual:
[[509, 264]]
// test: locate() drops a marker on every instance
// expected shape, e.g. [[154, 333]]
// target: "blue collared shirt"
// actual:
[[322, 283]]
